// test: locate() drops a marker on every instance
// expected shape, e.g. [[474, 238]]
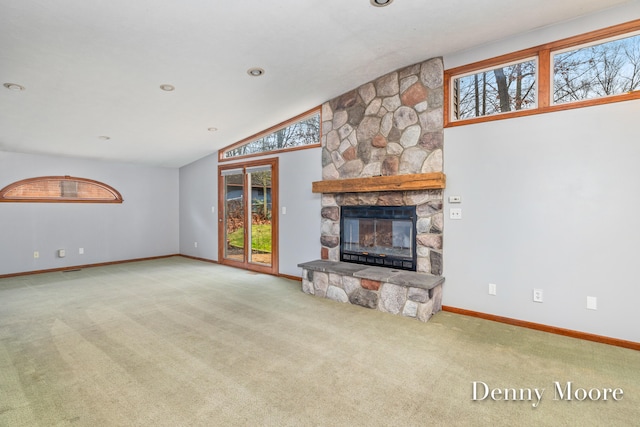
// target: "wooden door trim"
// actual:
[[273, 268]]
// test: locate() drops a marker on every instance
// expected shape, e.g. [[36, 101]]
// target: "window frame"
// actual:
[[272, 129], [117, 197], [592, 43], [533, 58], [545, 75]]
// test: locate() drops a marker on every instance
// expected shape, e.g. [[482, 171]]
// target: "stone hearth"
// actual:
[[405, 293]]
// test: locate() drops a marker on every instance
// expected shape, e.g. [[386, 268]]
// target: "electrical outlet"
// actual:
[[492, 288], [537, 295], [36, 254], [61, 253], [455, 213], [195, 244], [592, 303], [81, 251]]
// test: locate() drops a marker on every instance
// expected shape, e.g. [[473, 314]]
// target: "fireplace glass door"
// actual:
[[379, 235]]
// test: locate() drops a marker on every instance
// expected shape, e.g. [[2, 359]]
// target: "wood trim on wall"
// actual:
[[79, 267], [546, 328], [290, 277], [212, 261], [103, 264], [407, 182]]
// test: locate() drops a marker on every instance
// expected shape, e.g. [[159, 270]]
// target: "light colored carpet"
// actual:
[[178, 342]]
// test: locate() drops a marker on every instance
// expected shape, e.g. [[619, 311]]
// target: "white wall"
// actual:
[[198, 195], [549, 201], [145, 225], [299, 229]]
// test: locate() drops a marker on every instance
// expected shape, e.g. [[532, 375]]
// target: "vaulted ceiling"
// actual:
[[93, 69]]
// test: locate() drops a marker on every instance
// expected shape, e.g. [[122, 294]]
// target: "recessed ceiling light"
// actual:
[[255, 72], [104, 137], [167, 88], [14, 86], [381, 3], [212, 129]]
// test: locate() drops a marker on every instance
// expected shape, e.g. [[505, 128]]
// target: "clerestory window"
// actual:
[[508, 87], [590, 69], [299, 132], [597, 70], [59, 189]]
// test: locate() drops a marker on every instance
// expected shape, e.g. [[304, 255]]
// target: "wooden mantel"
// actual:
[[418, 181]]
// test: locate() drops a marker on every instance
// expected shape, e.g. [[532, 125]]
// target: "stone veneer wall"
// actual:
[[391, 126], [405, 293]]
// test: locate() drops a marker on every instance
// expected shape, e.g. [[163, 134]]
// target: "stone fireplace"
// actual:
[[382, 148]]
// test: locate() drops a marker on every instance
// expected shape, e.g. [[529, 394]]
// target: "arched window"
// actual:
[[59, 189]]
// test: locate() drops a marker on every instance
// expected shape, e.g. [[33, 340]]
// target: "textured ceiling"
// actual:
[[94, 68]]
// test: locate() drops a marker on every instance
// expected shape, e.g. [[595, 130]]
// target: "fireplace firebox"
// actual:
[[383, 236]]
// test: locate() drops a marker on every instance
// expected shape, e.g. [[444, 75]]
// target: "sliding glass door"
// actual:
[[259, 179], [234, 214], [248, 215]]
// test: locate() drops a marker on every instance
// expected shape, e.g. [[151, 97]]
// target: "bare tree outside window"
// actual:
[[605, 69], [589, 69], [301, 133], [502, 89]]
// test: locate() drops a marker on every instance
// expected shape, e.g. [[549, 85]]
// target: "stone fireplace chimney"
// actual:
[[390, 127], [382, 147]]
